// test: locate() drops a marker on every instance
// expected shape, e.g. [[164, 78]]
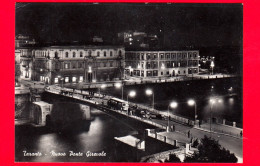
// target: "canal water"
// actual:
[[98, 138]]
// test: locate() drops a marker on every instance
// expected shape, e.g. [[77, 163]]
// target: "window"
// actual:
[[179, 72], [120, 53], [162, 73], [81, 54], [148, 65], [111, 64], [66, 66], [67, 79], [162, 56], [74, 79], [56, 55], [148, 73], [155, 73], [111, 53], [184, 71], [56, 80], [80, 78], [80, 64], [89, 53], [73, 65], [66, 54], [105, 53], [74, 54], [105, 65]]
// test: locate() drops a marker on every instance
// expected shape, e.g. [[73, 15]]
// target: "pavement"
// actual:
[[222, 129]]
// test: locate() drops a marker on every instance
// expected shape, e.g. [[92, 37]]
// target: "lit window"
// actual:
[[66, 79], [66, 66], [74, 79], [80, 78], [56, 80]]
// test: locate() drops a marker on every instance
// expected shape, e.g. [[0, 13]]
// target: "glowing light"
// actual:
[[191, 102], [118, 85], [149, 92], [103, 86], [173, 104], [132, 94]]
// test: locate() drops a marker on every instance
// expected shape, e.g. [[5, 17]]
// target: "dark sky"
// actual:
[[198, 25]]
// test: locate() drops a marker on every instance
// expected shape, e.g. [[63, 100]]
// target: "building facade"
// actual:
[[161, 63], [75, 64]]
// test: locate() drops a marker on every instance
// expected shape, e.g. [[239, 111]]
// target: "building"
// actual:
[[23, 56], [75, 64], [161, 63], [23, 41], [135, 39]]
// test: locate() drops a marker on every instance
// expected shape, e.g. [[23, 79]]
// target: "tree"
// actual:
[[211, 151]]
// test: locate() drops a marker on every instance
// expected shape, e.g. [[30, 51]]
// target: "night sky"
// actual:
[[190, 25]]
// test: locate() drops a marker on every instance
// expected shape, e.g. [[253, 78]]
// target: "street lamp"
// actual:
[[191, 103], [172, 105], [120, 85], [212, 102], [150, 92], [212, 66], [103, 86], [131, 94], [61, 78]]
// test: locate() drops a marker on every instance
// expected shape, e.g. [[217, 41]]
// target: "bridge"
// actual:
[[99, 101]]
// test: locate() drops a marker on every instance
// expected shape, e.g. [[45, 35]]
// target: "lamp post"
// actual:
[[131, 94], [85, 57], [150, 92], [120, 85], [61, 78], [212, 66], [103, 86], [191, 103], [172, 105], [212, 102]]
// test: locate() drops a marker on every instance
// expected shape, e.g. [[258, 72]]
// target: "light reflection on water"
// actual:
[[100, 137]]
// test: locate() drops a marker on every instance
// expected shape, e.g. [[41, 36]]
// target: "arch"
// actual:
[[56, 55], [120, 53], [37, 115]]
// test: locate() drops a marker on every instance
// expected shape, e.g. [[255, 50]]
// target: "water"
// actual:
[[98, 138]]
